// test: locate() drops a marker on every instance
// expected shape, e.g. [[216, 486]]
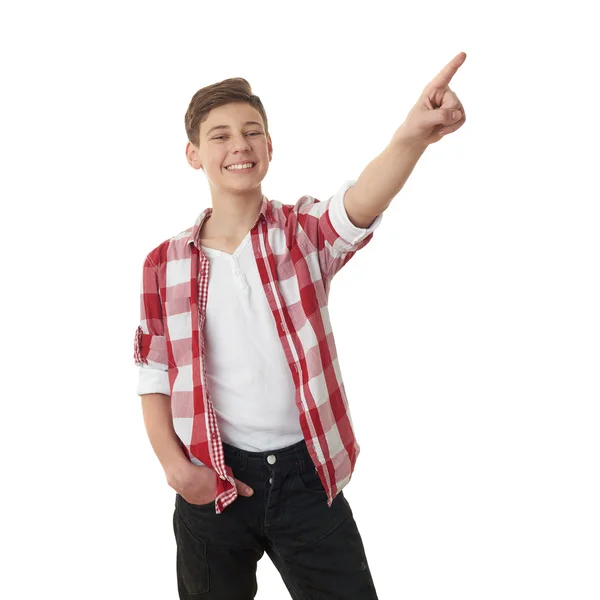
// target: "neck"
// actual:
[[234, 214]]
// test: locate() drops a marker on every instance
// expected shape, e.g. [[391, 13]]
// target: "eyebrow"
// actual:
[[227, 126]]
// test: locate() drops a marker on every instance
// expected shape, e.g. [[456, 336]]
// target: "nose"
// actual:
[[240, 143]]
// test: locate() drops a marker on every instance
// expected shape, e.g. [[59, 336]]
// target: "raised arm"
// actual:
[[437, 113]]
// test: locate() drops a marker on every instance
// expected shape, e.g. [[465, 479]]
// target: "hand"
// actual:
[[198, 484], [431, 118]]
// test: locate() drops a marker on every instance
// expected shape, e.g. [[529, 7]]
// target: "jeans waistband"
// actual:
[[286, 458]]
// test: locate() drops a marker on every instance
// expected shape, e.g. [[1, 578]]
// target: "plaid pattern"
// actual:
[[297, 251]]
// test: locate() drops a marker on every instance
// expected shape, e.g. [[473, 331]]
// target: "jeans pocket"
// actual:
[[183, 504], [192, 564], [310, 481]]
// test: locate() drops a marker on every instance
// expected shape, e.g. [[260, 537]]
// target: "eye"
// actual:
[[254, 133]]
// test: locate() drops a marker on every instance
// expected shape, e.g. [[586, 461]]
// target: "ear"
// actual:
[[270, 146], [191, 153]]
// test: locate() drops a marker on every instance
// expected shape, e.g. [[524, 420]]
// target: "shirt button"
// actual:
[[271, 459], [270, 480]]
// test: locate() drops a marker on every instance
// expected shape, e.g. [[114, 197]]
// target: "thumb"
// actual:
[[243, 489], [443, 116]]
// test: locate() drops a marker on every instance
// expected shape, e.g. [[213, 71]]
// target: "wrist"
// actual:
[[177, 472], [402, 140]]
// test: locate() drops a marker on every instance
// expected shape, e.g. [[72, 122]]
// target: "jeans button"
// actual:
[[271, 459]]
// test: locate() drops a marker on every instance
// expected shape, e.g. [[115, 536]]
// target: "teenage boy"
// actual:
[[242, 393]]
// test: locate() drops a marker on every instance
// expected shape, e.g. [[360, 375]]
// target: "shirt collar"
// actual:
[[266, 211]]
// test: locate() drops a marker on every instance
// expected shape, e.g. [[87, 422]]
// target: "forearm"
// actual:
[[158, 420], [385, 176]]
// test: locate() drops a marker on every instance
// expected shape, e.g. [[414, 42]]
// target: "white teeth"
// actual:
[[238, 167]]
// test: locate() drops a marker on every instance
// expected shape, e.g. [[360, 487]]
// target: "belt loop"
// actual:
[[239, 456], [300, 455]]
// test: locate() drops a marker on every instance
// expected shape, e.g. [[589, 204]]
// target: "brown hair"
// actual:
[[235, 89]]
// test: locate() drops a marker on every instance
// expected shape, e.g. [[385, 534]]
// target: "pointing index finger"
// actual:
[[443, 78]]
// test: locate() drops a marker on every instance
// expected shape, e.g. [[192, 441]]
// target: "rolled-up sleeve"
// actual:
[[153, 381], [150, 346], [348, 233], [329, 229]]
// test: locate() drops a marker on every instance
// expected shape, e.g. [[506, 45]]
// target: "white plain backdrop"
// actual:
[[467, 329]]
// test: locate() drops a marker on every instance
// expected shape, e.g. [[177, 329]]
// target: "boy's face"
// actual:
[[242, 140]]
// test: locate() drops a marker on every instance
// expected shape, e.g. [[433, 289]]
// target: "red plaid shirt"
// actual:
[[298, 250]]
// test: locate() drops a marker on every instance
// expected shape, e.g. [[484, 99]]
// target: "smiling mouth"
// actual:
[[242, 170]]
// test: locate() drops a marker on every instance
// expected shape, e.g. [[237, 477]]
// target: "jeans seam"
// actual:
[[297, 589], [321, 538]]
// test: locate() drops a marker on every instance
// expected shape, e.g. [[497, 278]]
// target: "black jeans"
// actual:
[[317, 549]]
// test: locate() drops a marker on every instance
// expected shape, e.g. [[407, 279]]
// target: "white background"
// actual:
[[467, 329]]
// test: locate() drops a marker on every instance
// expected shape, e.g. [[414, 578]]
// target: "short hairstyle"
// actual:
[[235, 89]]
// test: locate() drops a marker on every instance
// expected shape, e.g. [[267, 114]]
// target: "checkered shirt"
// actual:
[[297, 251]]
